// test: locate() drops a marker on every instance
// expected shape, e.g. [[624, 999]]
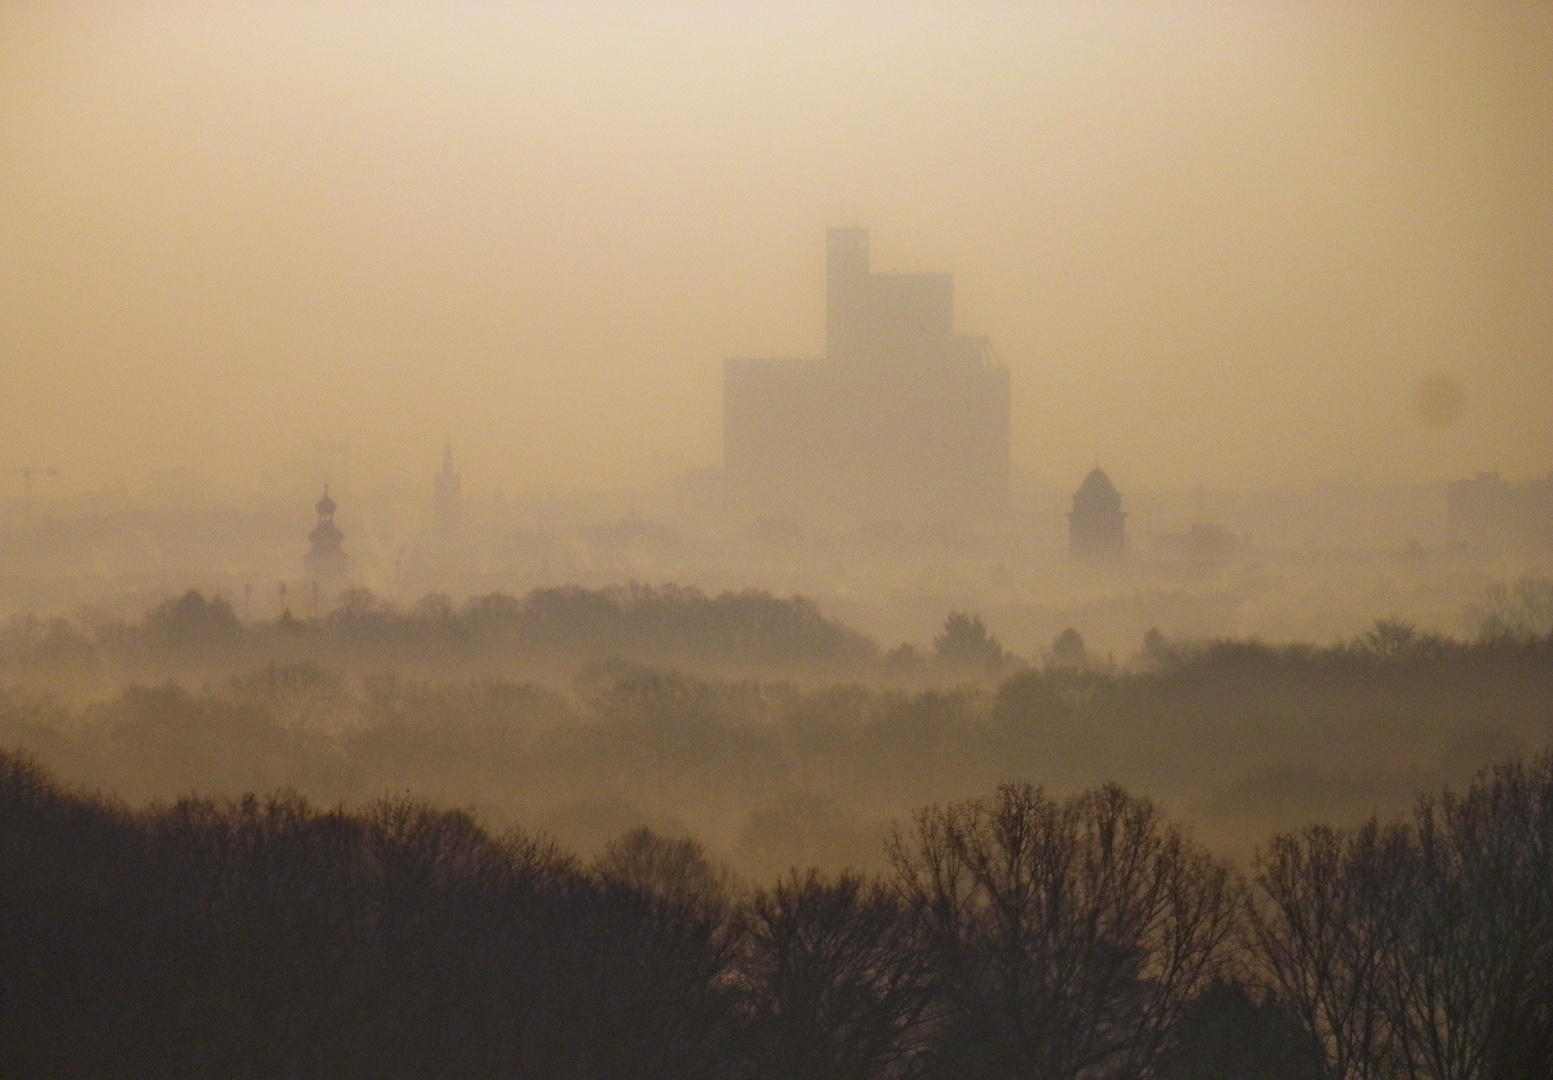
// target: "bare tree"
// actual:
[[1521, 610], [1422, 949], [1068, 935], [1322, 938], [837, 983], [1470, 987], [675, 868]]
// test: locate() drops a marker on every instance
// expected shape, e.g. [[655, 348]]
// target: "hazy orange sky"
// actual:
[[1214, 243]]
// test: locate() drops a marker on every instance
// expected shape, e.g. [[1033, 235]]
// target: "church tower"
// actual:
[[325, 564]]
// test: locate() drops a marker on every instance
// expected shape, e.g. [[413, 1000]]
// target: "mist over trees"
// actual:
[[792, 768], [545, 634], [491, 586], [627, 868]]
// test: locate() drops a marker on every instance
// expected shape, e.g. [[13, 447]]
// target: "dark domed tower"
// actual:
[[1097, 527], [324, 562]]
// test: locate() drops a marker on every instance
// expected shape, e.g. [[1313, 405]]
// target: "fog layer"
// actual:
[[1213, 244]]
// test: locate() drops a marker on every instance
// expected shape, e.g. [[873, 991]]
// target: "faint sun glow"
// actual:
[[1439, 401]]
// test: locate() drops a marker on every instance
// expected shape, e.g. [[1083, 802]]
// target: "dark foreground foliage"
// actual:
[[268, 938], [1019, 935]]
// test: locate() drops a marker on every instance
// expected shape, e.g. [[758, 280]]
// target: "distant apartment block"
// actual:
[[1487, 511], [902, 420]]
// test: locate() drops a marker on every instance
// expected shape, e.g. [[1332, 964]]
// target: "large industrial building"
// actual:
[[904, 420]]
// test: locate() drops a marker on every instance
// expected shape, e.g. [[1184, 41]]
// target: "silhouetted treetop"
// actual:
[[193, 620], [1021, 935], [965, 644]]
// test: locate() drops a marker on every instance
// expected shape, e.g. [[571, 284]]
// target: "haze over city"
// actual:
[[1214, 244], [751, 541]]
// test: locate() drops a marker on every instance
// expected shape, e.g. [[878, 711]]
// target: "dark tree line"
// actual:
[[562, 625], [556, 630], [1258, 739], [268, 938], [1019, 935]]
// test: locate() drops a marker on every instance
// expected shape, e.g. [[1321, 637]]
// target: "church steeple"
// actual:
[[325, 562]]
